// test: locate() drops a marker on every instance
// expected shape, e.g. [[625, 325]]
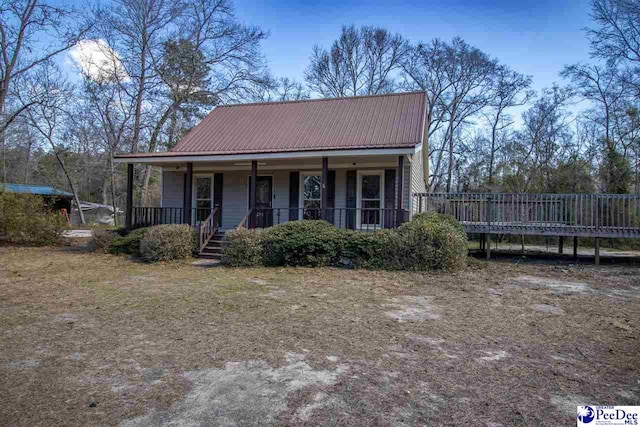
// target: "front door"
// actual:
[[264, 195], [370, 197], [203, 197]]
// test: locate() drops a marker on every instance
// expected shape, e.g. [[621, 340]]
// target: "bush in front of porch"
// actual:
[[167, 242], [428, 242], [243, 248], [310, 243]]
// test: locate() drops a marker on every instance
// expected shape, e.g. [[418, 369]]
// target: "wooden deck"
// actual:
[[567, 215]]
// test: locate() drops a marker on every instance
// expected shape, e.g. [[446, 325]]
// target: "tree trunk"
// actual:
[[113, 192], [73, 187], [493, 149], [450, 166], [425, 151]]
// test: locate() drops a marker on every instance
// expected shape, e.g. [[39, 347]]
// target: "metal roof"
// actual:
[[363, 122], [41, 190]]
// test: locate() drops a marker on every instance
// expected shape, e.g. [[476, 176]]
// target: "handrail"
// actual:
[[241, 225], [208, 228]]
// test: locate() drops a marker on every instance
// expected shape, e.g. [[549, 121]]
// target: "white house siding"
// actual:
[[235, 191]]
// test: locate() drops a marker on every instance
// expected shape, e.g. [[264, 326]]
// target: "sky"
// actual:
[[536, 38]]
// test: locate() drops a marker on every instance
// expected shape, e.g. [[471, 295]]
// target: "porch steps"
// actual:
[[213, 250]]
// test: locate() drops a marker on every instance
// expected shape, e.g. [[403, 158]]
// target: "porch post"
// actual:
[[400, 179], [252, 192], [324, 189], [129, 208], [189, 192]]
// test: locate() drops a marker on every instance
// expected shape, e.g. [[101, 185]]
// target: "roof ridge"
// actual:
[[415, 92]]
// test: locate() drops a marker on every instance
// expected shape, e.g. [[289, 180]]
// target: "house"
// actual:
[[53, 198], [352, 161]]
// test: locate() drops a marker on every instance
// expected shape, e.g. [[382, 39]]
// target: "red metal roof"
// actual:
[[363, 122]]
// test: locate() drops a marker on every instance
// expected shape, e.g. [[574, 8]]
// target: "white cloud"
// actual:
[[97, 60]]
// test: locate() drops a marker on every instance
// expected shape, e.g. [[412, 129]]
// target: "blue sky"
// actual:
[[536, 38]]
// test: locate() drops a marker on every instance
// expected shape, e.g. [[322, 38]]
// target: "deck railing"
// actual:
[[596, 215]]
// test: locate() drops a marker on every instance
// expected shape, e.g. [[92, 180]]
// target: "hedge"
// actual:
[[428, 242], [243, 248], [167, 242], [102, 240], [24, 220], [302, 243], [128, 243]]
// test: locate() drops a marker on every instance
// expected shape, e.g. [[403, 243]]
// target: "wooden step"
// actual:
[[213, 250], [210, 256]]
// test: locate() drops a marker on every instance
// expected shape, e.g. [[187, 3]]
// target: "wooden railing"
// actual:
[[245, 220], [588, 215], [208, 228], [149, 216]]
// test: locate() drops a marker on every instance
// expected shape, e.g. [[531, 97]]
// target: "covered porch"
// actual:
[[352, 190]]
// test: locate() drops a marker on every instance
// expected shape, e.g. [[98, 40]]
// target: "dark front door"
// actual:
[[264, 195]]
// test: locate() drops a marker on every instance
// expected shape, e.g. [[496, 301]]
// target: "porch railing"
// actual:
[[149, 216], [347, 218]]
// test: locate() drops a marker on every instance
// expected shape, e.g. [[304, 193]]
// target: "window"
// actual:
[[203, 197], [311, 195], [370, 199]]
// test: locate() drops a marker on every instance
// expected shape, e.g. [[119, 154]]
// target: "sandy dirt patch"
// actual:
[[410, 308], [248, 393]]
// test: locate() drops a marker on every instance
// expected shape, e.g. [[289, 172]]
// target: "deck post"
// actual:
[[400, 180], [597, 251], [324, 187], [252, 193], [560, 244], [575, 247], [129, 207], [188, 188], [487, 243]]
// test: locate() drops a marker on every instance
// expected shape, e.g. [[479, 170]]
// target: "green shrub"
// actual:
[[167, 242], [437, 218], [308, 242], [434, 243], [25, 220], [364, 250], [243, 248], [128, 243], [102, 240]]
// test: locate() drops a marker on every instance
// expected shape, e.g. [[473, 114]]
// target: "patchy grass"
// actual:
[[91, 339]]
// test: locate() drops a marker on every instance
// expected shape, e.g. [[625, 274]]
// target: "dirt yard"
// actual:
[[91, 339]]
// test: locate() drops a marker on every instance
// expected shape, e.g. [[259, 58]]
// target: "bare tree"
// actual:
[[135, 30], [282, 89], [457, 79], [361, 62], [24, 24], [47, 118], [424, 69], [510, 89], [618, 33]]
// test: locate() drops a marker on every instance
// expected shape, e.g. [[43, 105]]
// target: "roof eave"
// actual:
[[186, 157]]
